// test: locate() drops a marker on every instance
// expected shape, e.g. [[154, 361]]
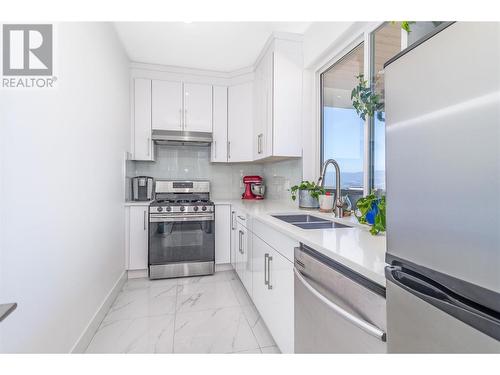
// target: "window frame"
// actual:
[[366, 36]]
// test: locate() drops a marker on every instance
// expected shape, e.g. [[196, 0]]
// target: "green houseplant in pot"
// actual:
[[308, 193], [371, 211]]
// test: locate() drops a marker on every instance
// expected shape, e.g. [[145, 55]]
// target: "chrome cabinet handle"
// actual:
[[185, 118], [233, 220], [145, 219], [215, 150], [149, 146], [266, 257], [269, 259], [228, 150], [180, 118], [362, 324], [240, 245], [241, 217]]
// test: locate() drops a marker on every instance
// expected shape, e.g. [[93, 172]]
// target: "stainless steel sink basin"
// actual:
[[309, 221]]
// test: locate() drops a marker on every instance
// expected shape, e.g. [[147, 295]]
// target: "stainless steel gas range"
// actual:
[[181, 230]]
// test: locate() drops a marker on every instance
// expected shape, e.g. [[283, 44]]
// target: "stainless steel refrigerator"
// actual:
[[443, 192]]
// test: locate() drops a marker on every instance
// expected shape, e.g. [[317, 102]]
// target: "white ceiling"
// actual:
[[219, 46]]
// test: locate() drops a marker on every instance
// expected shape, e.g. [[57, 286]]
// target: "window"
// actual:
[[385, 43], [342, 130]]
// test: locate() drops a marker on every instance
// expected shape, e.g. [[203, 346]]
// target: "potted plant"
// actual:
[[308, 193], [371, 211]]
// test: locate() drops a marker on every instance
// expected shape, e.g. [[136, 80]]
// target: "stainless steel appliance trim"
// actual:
[[167, 186], [479, 317], [181, 136], [365, 326], [179, 218], [162, 271]]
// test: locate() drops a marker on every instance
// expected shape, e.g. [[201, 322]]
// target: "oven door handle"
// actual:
[[172, 219]]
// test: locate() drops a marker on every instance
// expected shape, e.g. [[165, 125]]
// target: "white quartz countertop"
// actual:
[[353, 247]]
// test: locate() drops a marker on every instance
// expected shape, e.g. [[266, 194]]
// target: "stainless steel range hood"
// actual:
[[177, 137]]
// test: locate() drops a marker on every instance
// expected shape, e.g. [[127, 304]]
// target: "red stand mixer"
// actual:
[[254, 188]]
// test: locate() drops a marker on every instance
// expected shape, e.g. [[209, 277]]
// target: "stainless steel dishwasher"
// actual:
[[336, 309]]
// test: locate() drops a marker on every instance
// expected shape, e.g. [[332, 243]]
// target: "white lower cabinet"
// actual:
[[244, 257], [137, 241], [222, 233], [273, 292]]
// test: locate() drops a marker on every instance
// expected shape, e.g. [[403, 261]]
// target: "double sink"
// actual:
[[309, 222]]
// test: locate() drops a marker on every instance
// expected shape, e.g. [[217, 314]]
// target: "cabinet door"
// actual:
[[143, 147], [166, 106], [240, 122], [222, 234], [138, 238], [240, 233], [280, 306], [267, 131], [219, 144], [259, 288], [259, 111], [197, 107]]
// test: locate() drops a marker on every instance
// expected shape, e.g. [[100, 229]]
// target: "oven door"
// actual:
[[182, 245]]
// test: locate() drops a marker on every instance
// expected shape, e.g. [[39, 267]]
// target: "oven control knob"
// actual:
[[160, 209], [204, 208], [182, 208], [195, 208], [169, 208]]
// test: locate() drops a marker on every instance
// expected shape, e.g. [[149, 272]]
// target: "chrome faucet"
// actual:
[[339, 210]]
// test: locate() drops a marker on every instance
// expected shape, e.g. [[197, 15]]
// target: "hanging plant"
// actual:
[[365, 101], [405, 25]]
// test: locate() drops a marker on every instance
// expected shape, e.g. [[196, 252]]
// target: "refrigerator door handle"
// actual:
[[481, 318]]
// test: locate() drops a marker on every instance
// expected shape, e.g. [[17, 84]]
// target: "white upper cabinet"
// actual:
[[240, 122], [277, 130], [142, 146], [219, 144], [167, 113], [197, 107]]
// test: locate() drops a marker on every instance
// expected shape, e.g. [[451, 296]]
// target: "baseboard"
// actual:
[[89, 331], [223, 267], [137, 274]]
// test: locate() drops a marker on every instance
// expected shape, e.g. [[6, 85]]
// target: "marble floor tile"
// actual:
[[259, 329], [223, 330], [139, 303], [216, 277], [140, 335], [206, 314], [240, 292], [205, 296], [144, 283], [270, 350]]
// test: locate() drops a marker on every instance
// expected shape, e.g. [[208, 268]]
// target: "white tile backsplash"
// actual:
[[193, 162]]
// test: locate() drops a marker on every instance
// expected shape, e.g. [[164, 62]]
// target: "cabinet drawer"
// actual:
[[278, 241], [243, 218]]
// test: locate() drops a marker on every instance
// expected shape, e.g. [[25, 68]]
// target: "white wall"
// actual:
[[62, 172]]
